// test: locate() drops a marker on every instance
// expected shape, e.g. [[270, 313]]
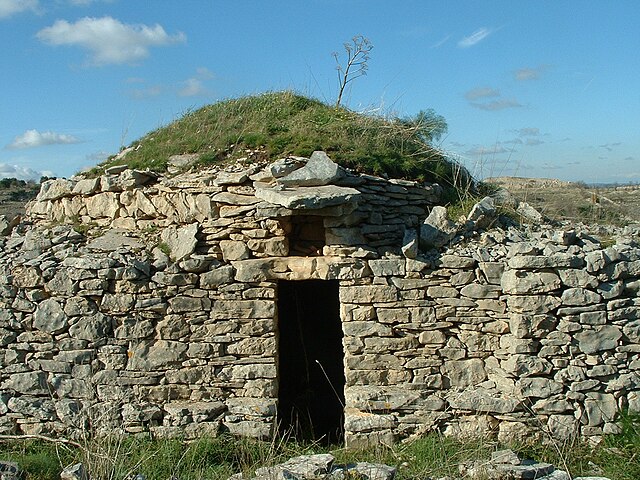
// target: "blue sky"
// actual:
[[528, 88]]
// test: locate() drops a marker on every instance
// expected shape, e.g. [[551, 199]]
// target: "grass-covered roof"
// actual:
[[282, 123]]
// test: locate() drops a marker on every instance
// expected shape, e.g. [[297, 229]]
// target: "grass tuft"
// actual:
[[217, 458]]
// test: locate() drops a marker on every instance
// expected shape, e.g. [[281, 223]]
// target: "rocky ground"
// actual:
[[575, 202]]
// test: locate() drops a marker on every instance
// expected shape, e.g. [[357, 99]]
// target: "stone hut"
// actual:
[[296, 296]]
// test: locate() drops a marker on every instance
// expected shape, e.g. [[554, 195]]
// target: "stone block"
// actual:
[[463, 373], [50, 317], [155, 355], [600, 339], [368, 294], [522, 282]]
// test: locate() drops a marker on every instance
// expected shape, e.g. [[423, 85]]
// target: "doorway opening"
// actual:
[[311, 361]]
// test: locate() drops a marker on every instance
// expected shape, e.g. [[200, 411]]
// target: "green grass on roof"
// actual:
[[282, 123]]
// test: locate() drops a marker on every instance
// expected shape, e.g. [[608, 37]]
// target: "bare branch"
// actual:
[[356, 66]]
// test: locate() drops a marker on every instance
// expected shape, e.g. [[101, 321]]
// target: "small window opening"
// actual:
[[306, 235]]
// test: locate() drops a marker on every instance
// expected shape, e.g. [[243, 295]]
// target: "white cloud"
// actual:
[[108, 40], [34, 138], [84, 3], [481, 92], [11, 7], [483, 151], [497, 105], [441, 42], [22, 173], [524, 74], [529, 132], [194, 86], [534, 141], [610, 146], [475, 38], [146, 92]]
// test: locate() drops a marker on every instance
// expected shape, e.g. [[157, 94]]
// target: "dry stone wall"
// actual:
[[163, 317]]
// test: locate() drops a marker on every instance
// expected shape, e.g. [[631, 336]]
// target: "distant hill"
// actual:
[[577, 202], [14, 194]]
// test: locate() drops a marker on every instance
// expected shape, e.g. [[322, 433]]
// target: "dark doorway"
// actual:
[[311, 367]]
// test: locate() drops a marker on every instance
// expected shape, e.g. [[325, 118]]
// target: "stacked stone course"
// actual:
[[167, 320]]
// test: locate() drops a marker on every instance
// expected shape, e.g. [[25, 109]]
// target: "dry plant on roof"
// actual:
[[356, 66]]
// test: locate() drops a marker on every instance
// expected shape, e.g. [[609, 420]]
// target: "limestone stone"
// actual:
[[92, 327], [263, 407], [463, 373], [563, 427], [216, 277], [432, 337], [234, 250], [102, 205], [34, 383], [50, 317], [242, 309], [539, 387], [368, 294], [455, 261], [483, 213], [272, 247], [25, 276], [529, 213], [521, 282], [284, 166], [552, 405], [521, 365], [308, 198], [183, 304], [117, 302], [366, 329], [234, 199], [483, 400], [371, 471], [632, 331], [577, 278], [318, 171], [160, 354], [54, 189], [181, 241], [533, 304], [492, 271], [480, 291], [600, 408], [437, 230], [86, 186], [558, 260], [387, 267], [579, 296], [410, 244], [35, 407], [600, 339]]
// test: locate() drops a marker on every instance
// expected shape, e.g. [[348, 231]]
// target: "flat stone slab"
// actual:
[[113, 240], [308, 198]]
